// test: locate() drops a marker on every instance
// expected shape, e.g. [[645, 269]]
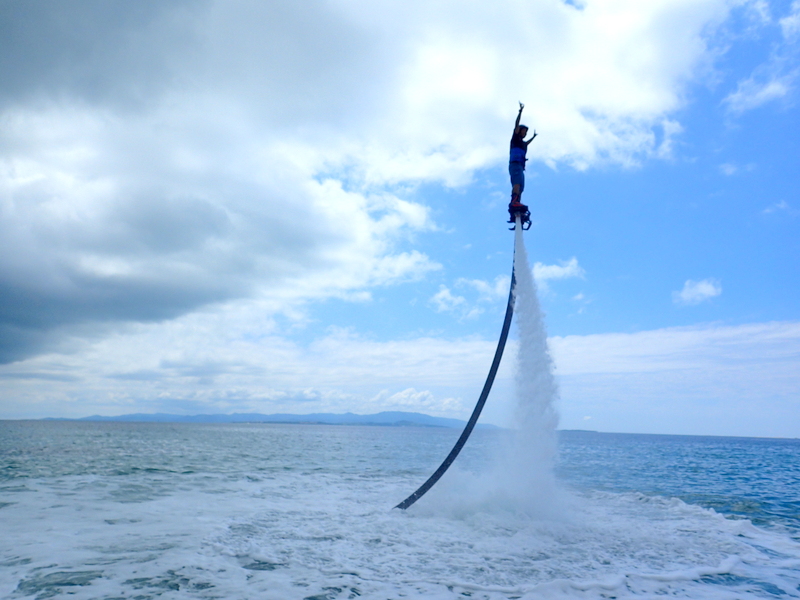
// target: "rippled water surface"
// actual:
[[152, 510]]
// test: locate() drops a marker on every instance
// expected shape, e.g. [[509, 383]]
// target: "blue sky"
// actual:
[[232, 207]]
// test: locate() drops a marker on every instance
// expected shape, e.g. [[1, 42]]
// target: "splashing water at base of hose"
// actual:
[[528, 465]]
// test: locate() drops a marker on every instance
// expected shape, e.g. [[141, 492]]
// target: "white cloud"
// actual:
[[732, 169], [701, 348], [445, 301], [119, 245], [251, 366], [497, 290], [582, 301], [782, 206], [711, 379], [774, 79], [678, 380], [412, 400], [790, 24], [754, 92], [567, 269], [695, 292], [488, 292], [671, 129], [469, 308]]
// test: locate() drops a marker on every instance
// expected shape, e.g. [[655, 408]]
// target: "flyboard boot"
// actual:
[[516, 207]]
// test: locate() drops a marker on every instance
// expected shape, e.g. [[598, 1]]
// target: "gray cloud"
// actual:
[[288, 63], [97, 51], [40, 377], [128, 191], [140, 375]]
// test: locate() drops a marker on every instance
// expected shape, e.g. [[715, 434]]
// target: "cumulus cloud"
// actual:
[[566, 269], [445, 301], [695, 292], [79, 245]]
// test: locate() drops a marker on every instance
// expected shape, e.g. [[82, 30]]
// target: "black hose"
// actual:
[[487, 387]]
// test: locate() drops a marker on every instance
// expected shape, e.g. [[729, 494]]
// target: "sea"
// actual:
[[138, 511]]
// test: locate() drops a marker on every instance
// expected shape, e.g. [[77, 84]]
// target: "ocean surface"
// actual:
[[262, 511]]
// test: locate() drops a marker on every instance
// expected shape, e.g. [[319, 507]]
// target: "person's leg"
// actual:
[[517, 173]]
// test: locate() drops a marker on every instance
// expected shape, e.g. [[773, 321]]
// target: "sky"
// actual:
[[238, 206]]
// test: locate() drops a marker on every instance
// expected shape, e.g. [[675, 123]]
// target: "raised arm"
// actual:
[[519, 116]]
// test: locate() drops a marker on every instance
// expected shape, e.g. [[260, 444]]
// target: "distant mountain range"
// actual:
[[389, 419]]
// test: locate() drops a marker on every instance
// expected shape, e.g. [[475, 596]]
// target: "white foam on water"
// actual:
[[327, 535]]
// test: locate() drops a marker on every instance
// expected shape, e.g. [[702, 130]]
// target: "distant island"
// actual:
[[386, 419]]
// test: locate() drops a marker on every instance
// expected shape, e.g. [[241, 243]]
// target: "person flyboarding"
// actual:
[[516, 169], [517, 210]]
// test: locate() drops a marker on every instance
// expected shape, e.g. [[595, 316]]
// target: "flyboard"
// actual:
[[520, 218]]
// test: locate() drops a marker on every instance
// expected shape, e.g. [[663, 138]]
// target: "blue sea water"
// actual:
[[260, 511]]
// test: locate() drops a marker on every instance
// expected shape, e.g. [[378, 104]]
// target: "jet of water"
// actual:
[[527, 464]]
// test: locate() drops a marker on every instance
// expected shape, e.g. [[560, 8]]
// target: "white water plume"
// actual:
[[526, 477]]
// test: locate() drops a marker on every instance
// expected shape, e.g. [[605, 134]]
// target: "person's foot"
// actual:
[[516, 205]]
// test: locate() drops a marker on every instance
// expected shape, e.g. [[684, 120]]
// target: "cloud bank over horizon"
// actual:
[[709, 372]]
